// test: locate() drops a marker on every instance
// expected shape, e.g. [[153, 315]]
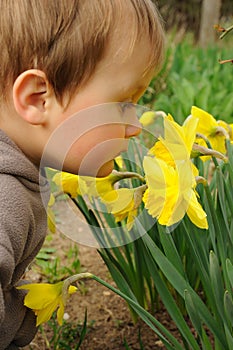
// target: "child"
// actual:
[[58, 59]]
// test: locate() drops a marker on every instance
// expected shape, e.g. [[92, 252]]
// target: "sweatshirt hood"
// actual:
[[14, 162]]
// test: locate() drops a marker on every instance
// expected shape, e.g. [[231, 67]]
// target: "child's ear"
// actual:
[[31, 92]]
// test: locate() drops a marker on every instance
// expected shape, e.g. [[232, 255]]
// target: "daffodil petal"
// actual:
[[43, 315], [118, 200], [159, 150], [147, 118], [189, 129], [51, 220], [41, 294], [206, 123], [69, 183], [218, 143], [195, 212], [72, 289], [60, 313], [51, 200]]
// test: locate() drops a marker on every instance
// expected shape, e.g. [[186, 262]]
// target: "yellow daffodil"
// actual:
[[213, 130], [170, 176], [171, 193], [45, 298], [123, 203], [227, 127], [97, 187], [178, 141], [51, 215], [149, 117], [86, 185], [69, 183]]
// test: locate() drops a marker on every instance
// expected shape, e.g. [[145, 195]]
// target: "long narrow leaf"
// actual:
[[169, 303], [180, 284], [229, 268], [168, 340], [217, 284]]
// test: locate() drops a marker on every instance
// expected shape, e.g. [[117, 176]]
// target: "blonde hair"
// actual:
[[67, 38]]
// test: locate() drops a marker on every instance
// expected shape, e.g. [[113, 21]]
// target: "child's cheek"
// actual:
[[95, 157]]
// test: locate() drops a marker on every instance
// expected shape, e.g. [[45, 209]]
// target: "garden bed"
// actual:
[[110, 326]]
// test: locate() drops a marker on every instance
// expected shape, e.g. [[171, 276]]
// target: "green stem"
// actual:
[[146, 316], [129, 175], [169, 341]]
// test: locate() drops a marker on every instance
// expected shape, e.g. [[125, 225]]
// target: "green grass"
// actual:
[[193, 76]]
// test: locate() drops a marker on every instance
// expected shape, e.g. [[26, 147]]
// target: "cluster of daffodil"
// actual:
[[168, 184], [167, 190], [189, 271]]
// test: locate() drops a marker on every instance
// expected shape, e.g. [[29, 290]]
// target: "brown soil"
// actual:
[[108, 317]]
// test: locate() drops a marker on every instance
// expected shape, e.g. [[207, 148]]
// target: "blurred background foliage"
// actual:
[[192, 74], [187, 14]]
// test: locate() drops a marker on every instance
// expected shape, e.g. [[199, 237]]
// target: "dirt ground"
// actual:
[[109, 322]]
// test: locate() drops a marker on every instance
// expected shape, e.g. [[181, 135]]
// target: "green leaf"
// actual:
[[206, 344], [169, 302], [217, 283], [228, 306], [83, 332], [196, 321], [229, 268], [202, 97], [180, 284], [193, 312], [170, 249], [166, 337]]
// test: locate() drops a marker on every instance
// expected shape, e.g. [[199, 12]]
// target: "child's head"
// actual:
[[76, 53], [67, 39]]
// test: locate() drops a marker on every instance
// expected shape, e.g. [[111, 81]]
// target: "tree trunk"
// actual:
[[210, 15]]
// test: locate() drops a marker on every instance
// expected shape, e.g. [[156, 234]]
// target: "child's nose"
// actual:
[[133, 129]]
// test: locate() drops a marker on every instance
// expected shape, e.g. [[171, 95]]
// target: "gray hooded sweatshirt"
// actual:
[[23, 226]]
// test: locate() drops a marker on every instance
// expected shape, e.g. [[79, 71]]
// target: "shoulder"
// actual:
[[20, 232], [12, 191], [15, 208]]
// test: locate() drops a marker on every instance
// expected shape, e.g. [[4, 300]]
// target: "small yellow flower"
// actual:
[[124, 203], [227, 127], [45, 298], [149, 117], [178, 140], [214, 131], [69, 183], [86, 185], [97, 187]]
